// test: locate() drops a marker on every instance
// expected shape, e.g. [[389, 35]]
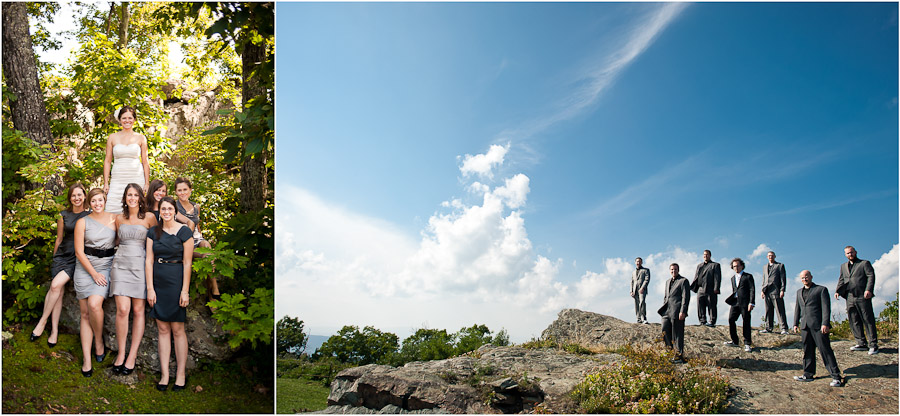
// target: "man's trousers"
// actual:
[[813, 339], [861, 316], [673, 334], [707, 301]]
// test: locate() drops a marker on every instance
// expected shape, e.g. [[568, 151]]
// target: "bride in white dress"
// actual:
[[131, 164]]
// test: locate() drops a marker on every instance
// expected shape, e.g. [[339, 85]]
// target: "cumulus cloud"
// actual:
[[887, 268], [760, 250], [483, 164]]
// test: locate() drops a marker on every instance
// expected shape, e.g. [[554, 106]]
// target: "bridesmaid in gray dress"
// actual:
[[95, 239], [128, 283]]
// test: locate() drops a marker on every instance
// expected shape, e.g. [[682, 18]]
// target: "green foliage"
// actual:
[[219, 262], [29, 230], [646, 381], [425, 345], [322, 370], [890, 313], [18, 152], [252, 235], [290, 336], [247, 322], [350, 345], [550, 342]]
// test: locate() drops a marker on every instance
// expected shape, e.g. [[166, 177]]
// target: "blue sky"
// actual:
[[442, 165]]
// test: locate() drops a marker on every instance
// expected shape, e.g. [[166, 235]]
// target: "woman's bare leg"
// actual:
[[123, 309], [137, 330], [181, 352], [87, 334], [165, 349], [95, 306], [53, 297]]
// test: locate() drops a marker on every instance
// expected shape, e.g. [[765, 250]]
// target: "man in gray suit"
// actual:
[[812, 315], [640, 279], [773, 286], [674, 312], [706, 283], [857, 284], [742, 303]]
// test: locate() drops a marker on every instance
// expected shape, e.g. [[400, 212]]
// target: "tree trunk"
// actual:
[[20, 70], [109, 16], [29, 114], [123, 26], [253, 170]]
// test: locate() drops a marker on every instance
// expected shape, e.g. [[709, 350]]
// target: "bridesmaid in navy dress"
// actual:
[[170, 248], [63, 267]]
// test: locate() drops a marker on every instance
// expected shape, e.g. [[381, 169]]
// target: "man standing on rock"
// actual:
[[706, 284], [773, 285], [812, 314], [741, 301], [674, 312], [640, 279], [857, 284]]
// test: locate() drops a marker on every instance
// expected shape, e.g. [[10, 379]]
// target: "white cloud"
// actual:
[[760, 250], [482, 164], [887, 282]]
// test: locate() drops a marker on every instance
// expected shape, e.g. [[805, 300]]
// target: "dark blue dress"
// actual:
[[168, 277]]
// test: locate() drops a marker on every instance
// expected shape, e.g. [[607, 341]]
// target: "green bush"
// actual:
[[646, 381]]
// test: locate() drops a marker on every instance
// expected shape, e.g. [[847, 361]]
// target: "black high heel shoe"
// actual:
[[100, 357], [34, 337], [87, 373], [162, 387], [181, 387], [125, 370], [51, 344]]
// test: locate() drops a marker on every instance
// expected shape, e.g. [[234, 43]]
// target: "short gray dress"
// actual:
[[127, 274], [101, 237]]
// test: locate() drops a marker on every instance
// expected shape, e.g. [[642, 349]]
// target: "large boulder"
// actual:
[[206, 339]]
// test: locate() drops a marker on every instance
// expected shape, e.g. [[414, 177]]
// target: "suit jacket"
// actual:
[[708, 278], [776, 280], [745, 292], [677, 298], [815, 311], [640, 278], [857, 283]]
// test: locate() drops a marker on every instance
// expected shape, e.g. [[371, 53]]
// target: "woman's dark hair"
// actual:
[[127, 109], [76, 185], [142, 202], [183, 180], [159, 227], [154, 185]]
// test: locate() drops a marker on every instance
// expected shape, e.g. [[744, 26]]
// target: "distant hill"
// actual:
[[314, 342]]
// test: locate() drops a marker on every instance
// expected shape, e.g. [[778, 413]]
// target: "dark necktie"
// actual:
[[733, 285]]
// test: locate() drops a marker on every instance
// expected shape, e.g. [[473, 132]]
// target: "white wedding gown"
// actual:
[[127, 168]]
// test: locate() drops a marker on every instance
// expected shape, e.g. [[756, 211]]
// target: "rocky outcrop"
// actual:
[[192, 109], [206, 339], [519, 380], [489, 380]]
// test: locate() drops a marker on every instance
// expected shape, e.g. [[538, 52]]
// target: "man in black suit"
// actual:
[[742, 302], [857, 284], [706, 283], [773, 286], [812, 315], [674, 311]]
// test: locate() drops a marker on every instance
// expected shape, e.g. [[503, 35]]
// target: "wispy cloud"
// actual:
[[593, 82], [825, 205]]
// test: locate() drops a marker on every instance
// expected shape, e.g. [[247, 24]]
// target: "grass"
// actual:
[[300, 395], [38, 379], [569, 347]]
